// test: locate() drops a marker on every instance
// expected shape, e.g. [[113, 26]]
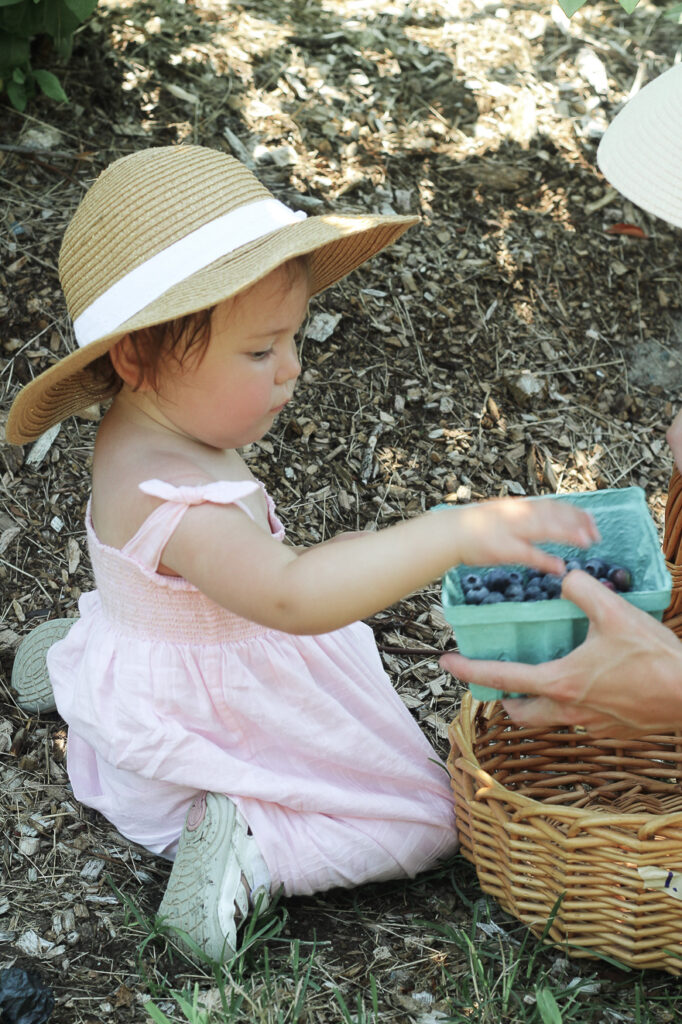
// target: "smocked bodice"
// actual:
[[142, 602]]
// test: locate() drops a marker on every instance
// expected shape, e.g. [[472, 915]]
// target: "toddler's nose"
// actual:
[[290, 366]]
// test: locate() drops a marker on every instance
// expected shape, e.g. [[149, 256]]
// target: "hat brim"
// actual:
[[335, 245], [641, 151]]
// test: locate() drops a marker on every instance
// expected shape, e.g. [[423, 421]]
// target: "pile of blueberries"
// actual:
[[498, 584]]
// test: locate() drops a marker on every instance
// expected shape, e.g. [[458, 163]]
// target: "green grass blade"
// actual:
[[547, 1007], [156, 1015]]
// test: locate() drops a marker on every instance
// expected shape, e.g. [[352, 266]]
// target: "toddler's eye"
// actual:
[[261, 355]]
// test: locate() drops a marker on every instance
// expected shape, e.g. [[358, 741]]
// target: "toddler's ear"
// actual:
[[126, 361]]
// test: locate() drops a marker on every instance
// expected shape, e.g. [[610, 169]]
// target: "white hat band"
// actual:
[[177, 262]]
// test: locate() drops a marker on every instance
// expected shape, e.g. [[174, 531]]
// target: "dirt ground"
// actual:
[[510, 343]]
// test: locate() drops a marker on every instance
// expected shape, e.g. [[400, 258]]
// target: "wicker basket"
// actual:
[[595, 824]]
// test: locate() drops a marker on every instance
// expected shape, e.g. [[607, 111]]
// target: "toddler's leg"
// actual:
[[218, 876], [30, 678]]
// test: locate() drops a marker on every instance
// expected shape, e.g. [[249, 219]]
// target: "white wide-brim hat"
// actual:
[[641, 150], [166, 232]]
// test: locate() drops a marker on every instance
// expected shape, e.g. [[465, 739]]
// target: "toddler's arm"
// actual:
[[237, 564]]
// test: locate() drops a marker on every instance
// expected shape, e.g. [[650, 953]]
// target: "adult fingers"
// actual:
[[511, 676], [589, 594], [543, 711]]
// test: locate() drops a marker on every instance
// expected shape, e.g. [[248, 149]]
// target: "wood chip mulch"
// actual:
[[511, 343]]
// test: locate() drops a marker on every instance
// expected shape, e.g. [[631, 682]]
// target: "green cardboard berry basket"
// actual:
[[537, 631]]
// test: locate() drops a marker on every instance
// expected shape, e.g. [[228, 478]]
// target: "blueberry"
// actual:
[[476, 595], [514, 592], [494, 597], [551, 584], [515, 578], [532, 575], [620, 577], [573, 563], [533, 589], [596, 567], [496, 579], [536, 594], [470, 581]]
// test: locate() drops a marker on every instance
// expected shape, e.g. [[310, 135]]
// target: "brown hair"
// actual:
[[176, 338], [184, 337]]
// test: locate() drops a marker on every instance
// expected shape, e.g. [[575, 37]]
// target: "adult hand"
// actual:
[[624, 679]]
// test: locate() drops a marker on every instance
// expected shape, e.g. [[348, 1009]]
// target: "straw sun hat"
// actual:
[[641, 151], [166, 232]]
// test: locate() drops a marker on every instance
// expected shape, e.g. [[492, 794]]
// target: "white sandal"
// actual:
[[29, 672], [218, 877]]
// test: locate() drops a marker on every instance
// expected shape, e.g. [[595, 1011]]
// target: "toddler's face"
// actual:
[[248, 372]]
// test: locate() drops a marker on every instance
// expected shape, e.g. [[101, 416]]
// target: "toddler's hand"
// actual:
[[508, 530]]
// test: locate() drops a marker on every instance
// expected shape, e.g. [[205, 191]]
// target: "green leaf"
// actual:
[[674, 13], [18, 76], [628, 5], [569, 7], [81, 8], [14, 52], [547, 1007], [17, 95], [60, 22], [24, 20], [49, 84], [156, 1014]]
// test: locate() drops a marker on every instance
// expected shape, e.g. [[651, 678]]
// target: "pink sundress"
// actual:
[[166, 693]]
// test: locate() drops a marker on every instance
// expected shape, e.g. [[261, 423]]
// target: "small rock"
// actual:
[[526, 387], [322, 326], [42, 136], [403, 200], [382, 953]]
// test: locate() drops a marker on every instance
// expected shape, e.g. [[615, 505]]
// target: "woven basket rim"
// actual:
[[461, 732]]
